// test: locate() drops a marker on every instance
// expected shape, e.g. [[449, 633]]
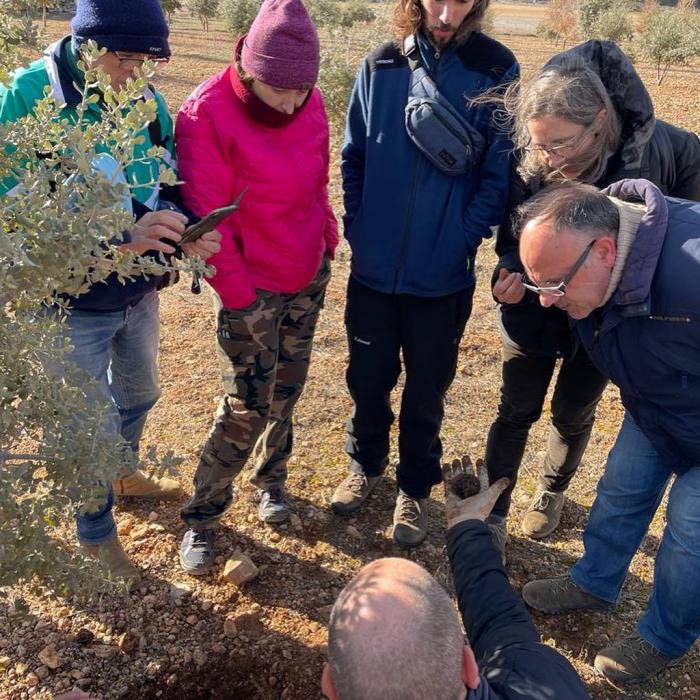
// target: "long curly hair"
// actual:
[[408, 18]]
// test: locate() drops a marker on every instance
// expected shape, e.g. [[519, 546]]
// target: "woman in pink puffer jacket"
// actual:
[[259, 124]]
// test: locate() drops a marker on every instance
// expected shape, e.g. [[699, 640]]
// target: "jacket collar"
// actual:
[[259, 110], [635, 283]]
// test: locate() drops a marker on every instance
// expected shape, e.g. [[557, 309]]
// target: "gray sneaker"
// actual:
[[632, 660], [273, 506], [410, 520], [542, 518], [352, 493], [197, 551], [560, 595], [499, 534]]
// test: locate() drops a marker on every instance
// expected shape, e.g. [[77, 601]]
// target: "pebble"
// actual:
[[84, 637], [32, 679], [42, 672], [239, 569], [200, 658], [207, 605], [178, 591], [152, 516], [192, 619], [295, 522], [102, 651], [230, 629], [127, 642], [49, 657], [139, 532], [275, 537], [353, 532]]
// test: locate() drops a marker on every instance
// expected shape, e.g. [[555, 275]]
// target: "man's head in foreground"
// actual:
[[394, 634], [568, 246]]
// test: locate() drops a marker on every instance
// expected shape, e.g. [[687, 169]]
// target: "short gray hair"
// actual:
[[397, 662], [571, 206]]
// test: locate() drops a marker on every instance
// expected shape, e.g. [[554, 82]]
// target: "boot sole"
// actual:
[[563, 611], [195, 571], [275, 518], [346, 510]]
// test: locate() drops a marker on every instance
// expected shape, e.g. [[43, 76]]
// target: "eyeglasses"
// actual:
[[130, 62], [563, 148], [558, 290]]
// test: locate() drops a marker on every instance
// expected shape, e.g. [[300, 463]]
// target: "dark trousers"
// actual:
[[427, 331], [526, 378]]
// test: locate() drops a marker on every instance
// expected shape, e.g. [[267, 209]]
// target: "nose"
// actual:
[[288, 106], [546, 300], [554, 159], [447, 13]]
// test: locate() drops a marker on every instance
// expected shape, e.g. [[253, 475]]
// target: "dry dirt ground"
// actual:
[[168, 641]]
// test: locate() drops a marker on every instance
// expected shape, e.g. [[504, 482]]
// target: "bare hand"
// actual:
[[205, 246], [468, 495], [153, 226], [509, 287]]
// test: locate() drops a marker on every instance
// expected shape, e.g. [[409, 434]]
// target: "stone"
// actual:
[[207, 605], [275, 537], [230, 629], [139, 532], [102, 651], [353, 532], [239, 569], [125, 527], [31, 679], [200, 658], [84, 637], [156, 527], [127, 642], [178, 591], [42, 672], [249, 622], [192, 619], [152, 516], [295, 522], [5, 662], [49, 657]]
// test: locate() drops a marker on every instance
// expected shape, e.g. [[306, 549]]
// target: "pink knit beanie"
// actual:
[[281, 48]]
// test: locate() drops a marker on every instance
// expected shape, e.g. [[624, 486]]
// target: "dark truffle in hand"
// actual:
[[464, 485]]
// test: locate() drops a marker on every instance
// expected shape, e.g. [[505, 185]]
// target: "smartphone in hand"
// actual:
[[210, 221]]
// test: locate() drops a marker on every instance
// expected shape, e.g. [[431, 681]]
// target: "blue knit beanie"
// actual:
[[122, 25]]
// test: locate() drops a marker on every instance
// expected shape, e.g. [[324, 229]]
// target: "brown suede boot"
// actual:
[[142, 485], [114, 560]]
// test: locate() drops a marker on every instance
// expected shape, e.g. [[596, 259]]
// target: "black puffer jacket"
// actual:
[[651, 149]]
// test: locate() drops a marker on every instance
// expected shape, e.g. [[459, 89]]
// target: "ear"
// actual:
[[327, 684], [606, 251], [470, 669], [601, 117]]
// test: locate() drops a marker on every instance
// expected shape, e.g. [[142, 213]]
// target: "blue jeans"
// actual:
[[120, 350], [629, 492]]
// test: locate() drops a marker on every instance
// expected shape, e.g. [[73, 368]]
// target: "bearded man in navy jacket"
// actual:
[[414, 231]]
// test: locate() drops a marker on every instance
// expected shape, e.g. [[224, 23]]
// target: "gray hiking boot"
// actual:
[[560, 595], [632, 660], [273, 506], [499, 533], [542, 518], [352, 493], [197, 551], [410, 520]]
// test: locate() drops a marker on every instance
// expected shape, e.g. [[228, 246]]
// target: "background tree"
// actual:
[[57, 235], [204, 10], [561, 24], [670, 37], [604, 19], [238, 15], [170, 7]]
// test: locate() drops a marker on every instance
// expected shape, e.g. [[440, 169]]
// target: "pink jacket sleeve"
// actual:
[[207, 184], [330, 232]]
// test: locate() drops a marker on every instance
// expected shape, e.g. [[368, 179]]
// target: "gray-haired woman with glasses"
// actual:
[[586, 116]]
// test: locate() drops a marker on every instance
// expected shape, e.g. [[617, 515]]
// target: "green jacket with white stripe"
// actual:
[[58, 71]]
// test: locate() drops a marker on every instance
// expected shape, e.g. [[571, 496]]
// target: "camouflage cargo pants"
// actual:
[[264, 351]]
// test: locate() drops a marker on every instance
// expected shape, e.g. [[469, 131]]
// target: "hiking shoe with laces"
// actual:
[[632, 660], [352, 493], [114, 560], [542, 518], [410, 520], [499, 534], [197, 551], [273, 506], [140, 484], [560, 595]]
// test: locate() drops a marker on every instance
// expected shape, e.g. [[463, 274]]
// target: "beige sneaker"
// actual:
[[114, 560], [352, 493], [144, 485], [632, 660], [410, 520], [542, 518]]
